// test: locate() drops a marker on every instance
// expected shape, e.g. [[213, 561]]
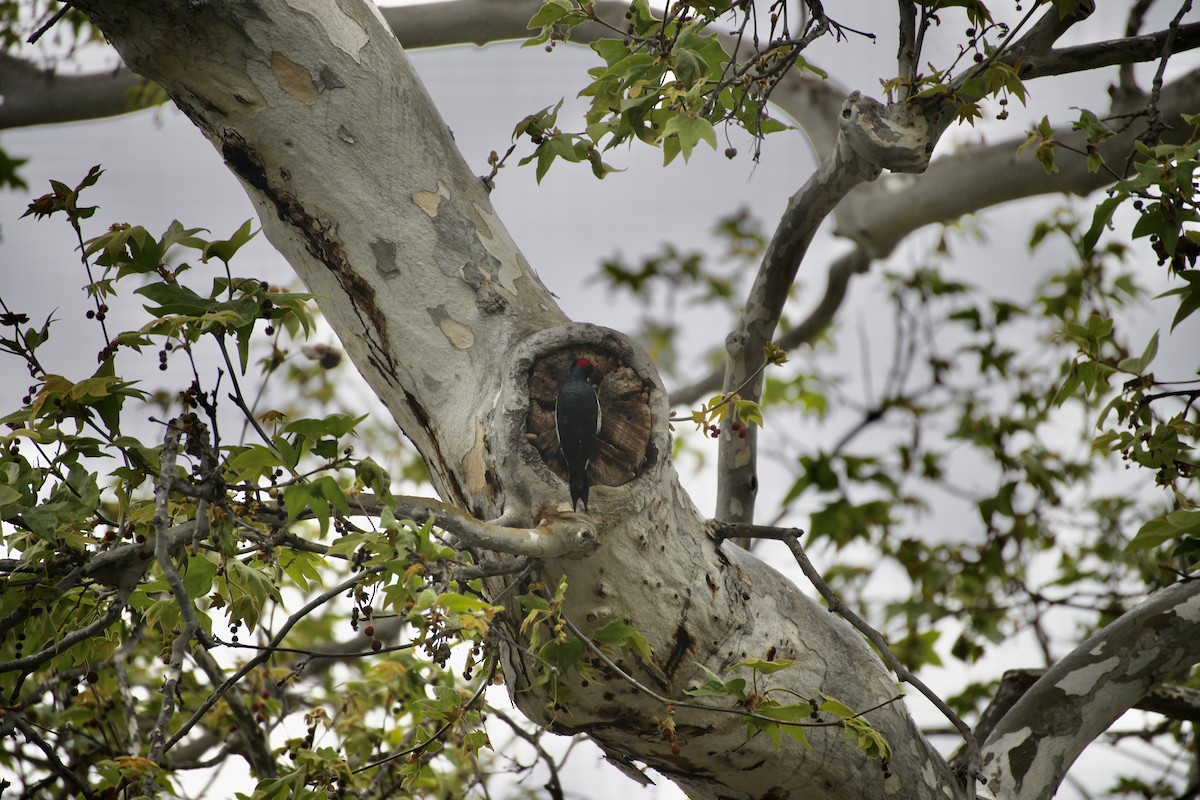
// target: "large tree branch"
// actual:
[[34, 96], [838, 173], [872, 138], [1032, 746], [1170, 700], [1113, 52], [554, 537], [981, 176], [878, 216]]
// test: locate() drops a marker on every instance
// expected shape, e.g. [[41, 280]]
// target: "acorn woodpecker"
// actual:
[[577, 419]]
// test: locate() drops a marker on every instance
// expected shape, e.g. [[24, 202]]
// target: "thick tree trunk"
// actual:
[[316, 109]]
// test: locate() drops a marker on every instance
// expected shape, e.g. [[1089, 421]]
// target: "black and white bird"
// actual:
[[577, 419]]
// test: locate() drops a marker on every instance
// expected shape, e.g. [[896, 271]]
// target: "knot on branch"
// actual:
[[575, 537], [886, 137]]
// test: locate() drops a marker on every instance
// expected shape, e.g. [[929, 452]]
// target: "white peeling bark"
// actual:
[[1035, 743], [357, 182]]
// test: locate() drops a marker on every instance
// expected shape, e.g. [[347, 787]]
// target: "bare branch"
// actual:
[[279, 636], [1092, 686], [871, 138], [1128, 50], [253, 744], [31, 735], [162, 539], [908, 56], [34, 96], [553, 785], [566, 535], [166, 711], [879, 217], [1169, 46], [819, 318], [110, 616], [1045, 32], [191, 627]]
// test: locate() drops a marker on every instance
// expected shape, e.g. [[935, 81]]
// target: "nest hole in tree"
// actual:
[[625, 418]]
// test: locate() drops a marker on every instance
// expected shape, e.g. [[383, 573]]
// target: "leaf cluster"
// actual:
[[170, 555]]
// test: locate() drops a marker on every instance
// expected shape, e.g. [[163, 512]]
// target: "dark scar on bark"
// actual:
[[683, 646], [247, 164]]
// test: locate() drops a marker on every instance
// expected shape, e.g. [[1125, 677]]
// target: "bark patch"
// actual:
[[319, 243], [294, 79], [1021, 758]]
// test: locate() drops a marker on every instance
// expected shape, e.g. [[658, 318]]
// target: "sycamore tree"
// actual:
[[201, 590]]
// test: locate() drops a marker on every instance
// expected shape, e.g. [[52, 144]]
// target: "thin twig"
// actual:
[[908, 54], [230, 682], [416, 748], [790, 537], [741, 712], [240, 401], [162, 520], [1156, 126], [191, 627], [58, 766], [553, 785], [73, 638], [50, 23], [170, 689]]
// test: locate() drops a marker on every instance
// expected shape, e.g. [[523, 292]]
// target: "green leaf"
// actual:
[[174, 298], [1136, 366], [770, 729], [462, 604], [8, 495], [1101, 219], [690, 131], [198, 574], [1155, 532], [302, 567], [767, 667], [335, 425], [836, 707], [1189, 294], [688, 66], [715, 687], [550, 12], [226, 248], [618, 634], [534, 602], [562, 655], [793, 713]]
